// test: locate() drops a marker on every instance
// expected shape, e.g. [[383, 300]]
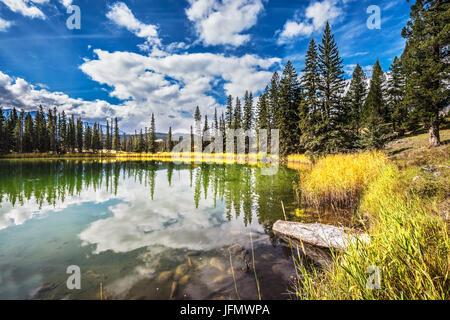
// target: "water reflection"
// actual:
[[144, 229]]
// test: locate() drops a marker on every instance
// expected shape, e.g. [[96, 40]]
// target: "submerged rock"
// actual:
[[180, 271], [173, 290], [165, 276], [184, 280], [217, 263]]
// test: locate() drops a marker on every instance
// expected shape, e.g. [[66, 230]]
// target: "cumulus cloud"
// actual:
[[120, 14], [170, 86], [66, 3], [26, 8], [221, 22], [313, 19], [4, 25], [175, 84]]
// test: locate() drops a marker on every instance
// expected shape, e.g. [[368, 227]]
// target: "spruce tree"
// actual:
[[395, 97], [356, 96], [273, 100], [28, 133], [427, 63], [88, 139], [80, 135], [237, 116], [289, 100], [309, 108], [375, 101], [152, 142], [116, 138], [229, 113], [169, 143], [332, 131], [107, 137]]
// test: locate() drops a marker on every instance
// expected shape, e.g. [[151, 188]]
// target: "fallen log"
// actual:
[[319, 235]]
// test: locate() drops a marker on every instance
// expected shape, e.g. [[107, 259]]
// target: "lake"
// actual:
[[143, 230]]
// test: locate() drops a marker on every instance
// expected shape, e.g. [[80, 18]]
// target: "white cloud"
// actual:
[[121, 15], [170, 86], [221, 22], [26, 8], [4, 25], [66, 3], [174, 84], [314, 19]]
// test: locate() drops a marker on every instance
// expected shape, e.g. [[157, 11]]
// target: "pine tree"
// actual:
[[289, 100], [229, 113], [237, 116], [215, 123], [205, 134], [88, 139], [198, 122], [108, 137], [395, 97], [52, 124], [355, 98], [18, 132], [426, 62], [95, 144], [169, 143], [332, 130], [152, 142], [309, 108], [116, 139], [28, 133], [274, 103], [247, 121], [80, 135], [375, 101]]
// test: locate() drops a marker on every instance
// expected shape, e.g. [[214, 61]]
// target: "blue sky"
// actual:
[[132, 58]]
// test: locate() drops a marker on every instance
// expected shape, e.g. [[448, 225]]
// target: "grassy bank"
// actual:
[[405, 209]]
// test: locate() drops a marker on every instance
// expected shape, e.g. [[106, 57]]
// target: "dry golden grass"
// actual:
[[337, 181]]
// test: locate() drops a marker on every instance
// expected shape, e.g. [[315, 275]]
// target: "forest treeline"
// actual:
[[319, 112]]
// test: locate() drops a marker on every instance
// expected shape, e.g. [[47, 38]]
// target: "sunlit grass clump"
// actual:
[[409, 246], [337, 181]]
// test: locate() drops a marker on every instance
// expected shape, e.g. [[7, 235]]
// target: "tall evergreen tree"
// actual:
[[28, 133], [229, 113], [108, 137], [169, 142], [309, 108], [80, 135], [237, 116], [152, 148], [274, 103], [88, 139], [375, 114], [356, 96], [116, 138], [427, 62], [289, 100], [395, 97], [331, 131], [375, 101]]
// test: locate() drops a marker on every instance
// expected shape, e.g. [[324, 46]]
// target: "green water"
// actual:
[[143, 230]]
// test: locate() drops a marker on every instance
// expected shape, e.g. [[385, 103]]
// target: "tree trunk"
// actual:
[[434, 138]]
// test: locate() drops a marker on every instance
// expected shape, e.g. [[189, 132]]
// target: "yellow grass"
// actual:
[[337, 181]]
